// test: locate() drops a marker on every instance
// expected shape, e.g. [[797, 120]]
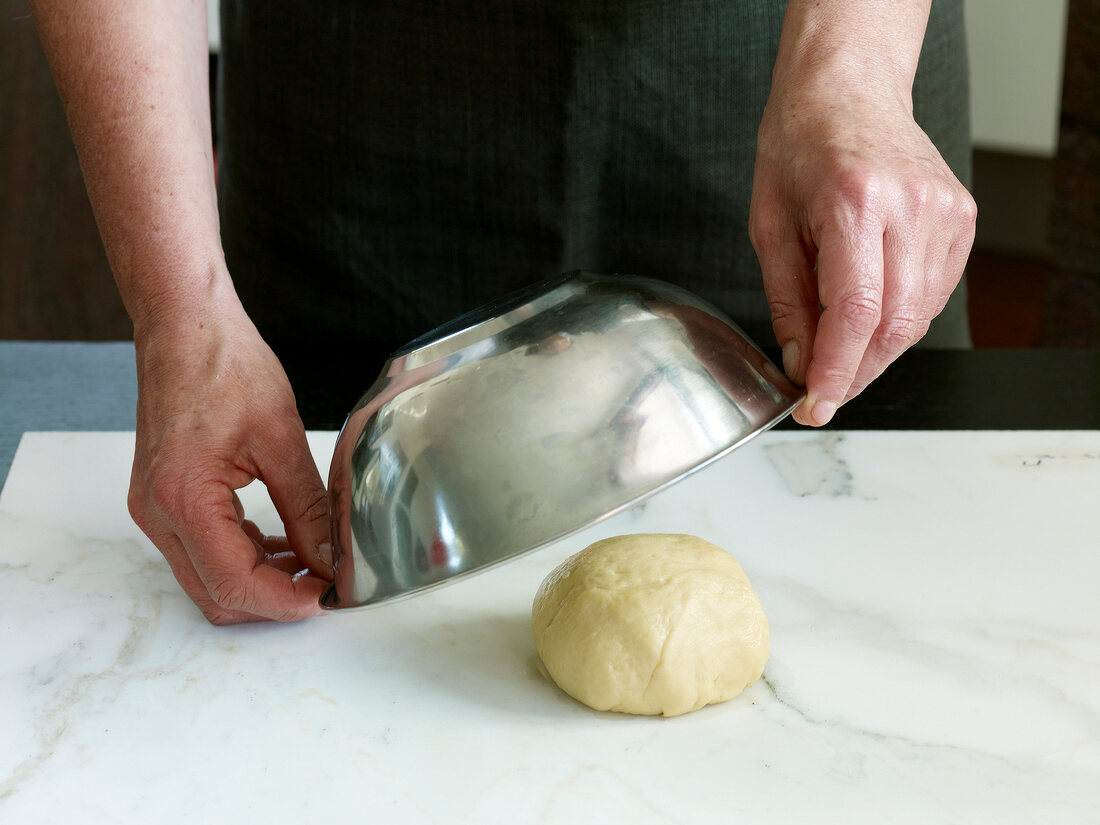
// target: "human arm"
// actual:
[[861, 228], [215, 409]]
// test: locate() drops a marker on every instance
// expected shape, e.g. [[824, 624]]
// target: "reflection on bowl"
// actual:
[[531, 419]]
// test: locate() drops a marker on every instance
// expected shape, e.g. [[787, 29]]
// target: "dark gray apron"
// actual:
[[384, 167]]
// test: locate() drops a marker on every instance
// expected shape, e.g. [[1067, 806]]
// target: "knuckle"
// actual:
[[314, 506], [783, 310], [901, 329], [948, 200], [164, 479], [218, 617], [177, 491], [164, 492], [857, 190], [967, 209], [940, 303], [958, 205], [288, 614], [764, 223], [852, 211], [177, 497], [759, 237], [861, 311], [919, 194], [137, 506], [231, 593], [837, 376]]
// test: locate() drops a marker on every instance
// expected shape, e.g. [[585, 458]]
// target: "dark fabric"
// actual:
[[385, 167]]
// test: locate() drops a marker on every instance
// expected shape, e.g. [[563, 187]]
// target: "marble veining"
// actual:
[[1077, 459], [935, 658], [812, 467]]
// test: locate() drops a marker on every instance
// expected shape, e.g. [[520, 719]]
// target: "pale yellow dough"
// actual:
[[650, 624]]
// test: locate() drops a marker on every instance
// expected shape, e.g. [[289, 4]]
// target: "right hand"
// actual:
[[216, 411]]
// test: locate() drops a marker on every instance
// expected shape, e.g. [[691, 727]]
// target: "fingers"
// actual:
[[850, 285], [962, 241], [905, 310], [239, 578], [299, 496], [266, 545], [222, 561], [924, 250], [179, 562], [216, 412], [862, 231], [790, 285], [881, 282]]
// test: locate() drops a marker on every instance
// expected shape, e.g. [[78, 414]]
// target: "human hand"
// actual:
[[861, 229], [216, 411]]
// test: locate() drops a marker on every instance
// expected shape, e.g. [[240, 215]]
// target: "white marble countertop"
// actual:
[[935, 658]]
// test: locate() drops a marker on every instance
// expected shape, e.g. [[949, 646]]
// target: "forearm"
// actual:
[[133, 77], [869, 45]]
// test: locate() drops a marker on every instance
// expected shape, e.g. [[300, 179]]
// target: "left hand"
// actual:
[[861, 229]]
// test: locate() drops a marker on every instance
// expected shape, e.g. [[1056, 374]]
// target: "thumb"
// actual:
[[299, 496]]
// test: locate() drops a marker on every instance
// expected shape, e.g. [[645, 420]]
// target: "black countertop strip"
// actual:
[[922, 390], [87, 386], [979, 390]]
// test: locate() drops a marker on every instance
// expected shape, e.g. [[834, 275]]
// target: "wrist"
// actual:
[[864, 48], [186, 343], [183, 304]]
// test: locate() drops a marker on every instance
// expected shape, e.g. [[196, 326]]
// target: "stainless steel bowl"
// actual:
[[532, 418]]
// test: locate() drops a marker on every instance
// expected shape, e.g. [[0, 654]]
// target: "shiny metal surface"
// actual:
[[531, 419]]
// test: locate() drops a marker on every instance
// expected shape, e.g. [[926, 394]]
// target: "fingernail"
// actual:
[[823, 412], [791, 356], [324, 551]]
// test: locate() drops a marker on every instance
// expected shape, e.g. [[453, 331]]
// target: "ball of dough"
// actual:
[[650, 624]]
